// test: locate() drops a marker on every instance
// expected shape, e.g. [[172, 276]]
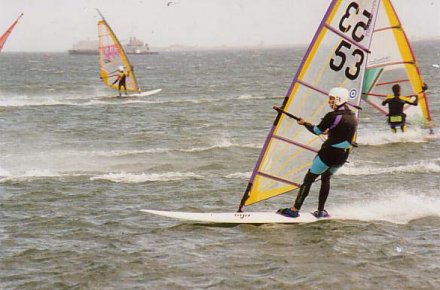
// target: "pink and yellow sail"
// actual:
[[336, 57], [392, 61], [5, 35], [112, 56]]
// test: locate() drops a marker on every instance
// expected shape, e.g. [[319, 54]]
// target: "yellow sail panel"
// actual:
[[275, 189], [336, 57], [392, 62], [111, 57]]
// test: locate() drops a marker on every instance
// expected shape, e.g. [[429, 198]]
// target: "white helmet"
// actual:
[[120, 68], [340, 95]]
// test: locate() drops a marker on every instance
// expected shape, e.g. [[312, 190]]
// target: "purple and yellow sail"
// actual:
[[392, 61], [336, 57], [112, 56], [5, 35]]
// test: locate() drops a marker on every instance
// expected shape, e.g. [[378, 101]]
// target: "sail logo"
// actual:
[[380, 60], [353, 94], [242, 215], [110, 51]]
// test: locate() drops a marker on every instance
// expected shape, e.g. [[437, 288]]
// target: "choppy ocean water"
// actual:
[[76, 167]]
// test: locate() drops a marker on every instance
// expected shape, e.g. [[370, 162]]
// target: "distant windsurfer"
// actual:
[[396, 103], [120, 79], [340, 126]]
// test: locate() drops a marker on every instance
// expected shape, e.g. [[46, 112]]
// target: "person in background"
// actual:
[[120, 79], [396, 103]]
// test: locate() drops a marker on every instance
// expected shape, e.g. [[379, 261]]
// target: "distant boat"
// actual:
[[90, 47], [137, 46], [5, 35]]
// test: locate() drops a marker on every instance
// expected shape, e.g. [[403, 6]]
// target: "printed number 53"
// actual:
[[334, 65]]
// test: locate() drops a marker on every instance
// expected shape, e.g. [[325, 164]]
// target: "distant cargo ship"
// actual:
[[90, 47]]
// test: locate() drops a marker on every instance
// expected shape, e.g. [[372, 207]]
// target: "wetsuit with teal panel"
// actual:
[[340, 125]]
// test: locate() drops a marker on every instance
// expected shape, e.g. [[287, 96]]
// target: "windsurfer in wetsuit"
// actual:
[[121, 77], [396, 116], [340, 125]]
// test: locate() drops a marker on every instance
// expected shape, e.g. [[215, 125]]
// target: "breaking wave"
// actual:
[[400, 208], [432, 166], [386, 137], [144, 177]]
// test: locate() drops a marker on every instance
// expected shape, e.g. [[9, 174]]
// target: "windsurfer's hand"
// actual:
[[301, 121]]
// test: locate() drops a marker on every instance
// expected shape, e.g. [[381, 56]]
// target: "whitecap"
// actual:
[[239, 175], [387, 137], [431, 166], [144, 177], [396, 208]]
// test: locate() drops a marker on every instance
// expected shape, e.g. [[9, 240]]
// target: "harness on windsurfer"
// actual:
[[340, 126], [121, 77], [396, 103]]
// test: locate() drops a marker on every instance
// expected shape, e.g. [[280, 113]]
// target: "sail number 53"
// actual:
[[358, 34], [341, 55]]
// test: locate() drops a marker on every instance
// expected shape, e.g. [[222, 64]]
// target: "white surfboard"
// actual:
[[143, 94], [432, 137], [236, 217]]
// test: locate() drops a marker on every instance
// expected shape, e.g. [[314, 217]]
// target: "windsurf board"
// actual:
[[236, 217]]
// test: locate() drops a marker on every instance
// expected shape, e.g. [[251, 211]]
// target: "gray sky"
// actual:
[[55, 25]]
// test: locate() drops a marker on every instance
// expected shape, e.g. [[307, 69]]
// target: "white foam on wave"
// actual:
[[50, 99], [220, 143], [40, 173], [143, 177], [34, 174], [424, 166], [30, 102], [251, 97], [90, 99], [376, 138], [401, 208], [120, 153], [4, 172], [239, 175]]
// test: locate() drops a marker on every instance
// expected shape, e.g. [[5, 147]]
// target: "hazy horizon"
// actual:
[[187, 23]]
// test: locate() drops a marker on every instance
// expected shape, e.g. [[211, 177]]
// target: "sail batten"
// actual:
[[391, 64], [346, 38], [337, 56], [278, 179], [388, 28], [295, 143], [312, 87], [392, 82]]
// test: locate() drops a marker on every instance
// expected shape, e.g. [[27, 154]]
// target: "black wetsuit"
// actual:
[[341, 124], [122, 77], [396, 116]]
